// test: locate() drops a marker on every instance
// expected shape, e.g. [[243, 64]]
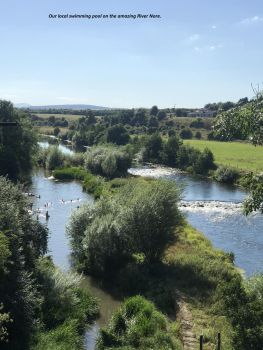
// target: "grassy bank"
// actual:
[[243, 156], [96, 185], [199, 271]]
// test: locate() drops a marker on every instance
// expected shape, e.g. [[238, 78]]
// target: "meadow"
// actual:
[[243, 156], [68, 117]]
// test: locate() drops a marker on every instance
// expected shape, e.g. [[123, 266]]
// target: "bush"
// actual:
[[108, 161], [137, 325], [226, 174], [198, 135], [63, 297], [242, 302], [186, 134], [54, 158], [118, 134]]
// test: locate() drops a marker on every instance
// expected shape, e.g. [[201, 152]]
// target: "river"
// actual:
[[212, 208]]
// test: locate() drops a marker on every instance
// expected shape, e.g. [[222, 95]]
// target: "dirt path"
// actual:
[[186, 319]]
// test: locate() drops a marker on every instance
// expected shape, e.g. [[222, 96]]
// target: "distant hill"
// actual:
[[68, 107], [22, 105]]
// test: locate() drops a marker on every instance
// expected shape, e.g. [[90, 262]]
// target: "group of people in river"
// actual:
[[46, 205]]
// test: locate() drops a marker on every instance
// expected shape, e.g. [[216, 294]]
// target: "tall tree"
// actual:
[[17, 143]]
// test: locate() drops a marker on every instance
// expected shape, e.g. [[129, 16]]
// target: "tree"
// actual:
[[139, 219], [153, 122], [18, 143], [186, 134], [154, 111], [118, 134], [153, 148], [171, 149], [56, 131], [22, 241], [161, 115], [198, 135], [54, 158]]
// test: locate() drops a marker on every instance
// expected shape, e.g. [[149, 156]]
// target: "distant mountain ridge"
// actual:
[[68, 107]]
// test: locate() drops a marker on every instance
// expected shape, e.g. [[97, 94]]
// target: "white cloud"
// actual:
[[214, 26], [252, 20]]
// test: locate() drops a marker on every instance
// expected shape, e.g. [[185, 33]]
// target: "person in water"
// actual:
[[47, 215]]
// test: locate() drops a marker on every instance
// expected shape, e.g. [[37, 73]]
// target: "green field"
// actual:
[[68, 117], [242, 156]]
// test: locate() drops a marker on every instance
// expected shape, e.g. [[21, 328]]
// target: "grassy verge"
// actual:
[[243, 156], [199, 271]]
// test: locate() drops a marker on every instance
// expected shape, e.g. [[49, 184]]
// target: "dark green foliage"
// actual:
[[17, 143], [226, 174], [186, 134], [56, 131], [161, 115], [242, 302], [54, 158], [137, 325], [198, 135], [139, 219], [173, 153], [23, 241], [153, 148], [254, 183], [171, 150], [153, 122], [154, 111], [117, 134], [203, 162]]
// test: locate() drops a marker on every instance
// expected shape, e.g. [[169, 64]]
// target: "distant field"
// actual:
[[49, 130], [68, 117], [239, 155]]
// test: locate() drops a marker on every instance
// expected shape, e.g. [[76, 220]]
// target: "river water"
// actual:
[[212, 208]]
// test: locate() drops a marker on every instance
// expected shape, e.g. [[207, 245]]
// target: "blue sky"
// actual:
[[198, 52]]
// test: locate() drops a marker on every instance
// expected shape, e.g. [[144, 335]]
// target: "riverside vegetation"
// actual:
[[133, 235]]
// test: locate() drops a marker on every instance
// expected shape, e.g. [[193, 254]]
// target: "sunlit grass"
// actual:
[[242, 156]]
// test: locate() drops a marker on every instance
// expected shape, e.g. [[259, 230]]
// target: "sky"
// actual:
[[197, 52]]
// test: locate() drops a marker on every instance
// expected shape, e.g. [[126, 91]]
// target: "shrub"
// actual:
[[198, 135], [186, 134], [226, 174], [107, 161], [118, 134], [54, 158], [137, 325], [242, 302], [63, 297]]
